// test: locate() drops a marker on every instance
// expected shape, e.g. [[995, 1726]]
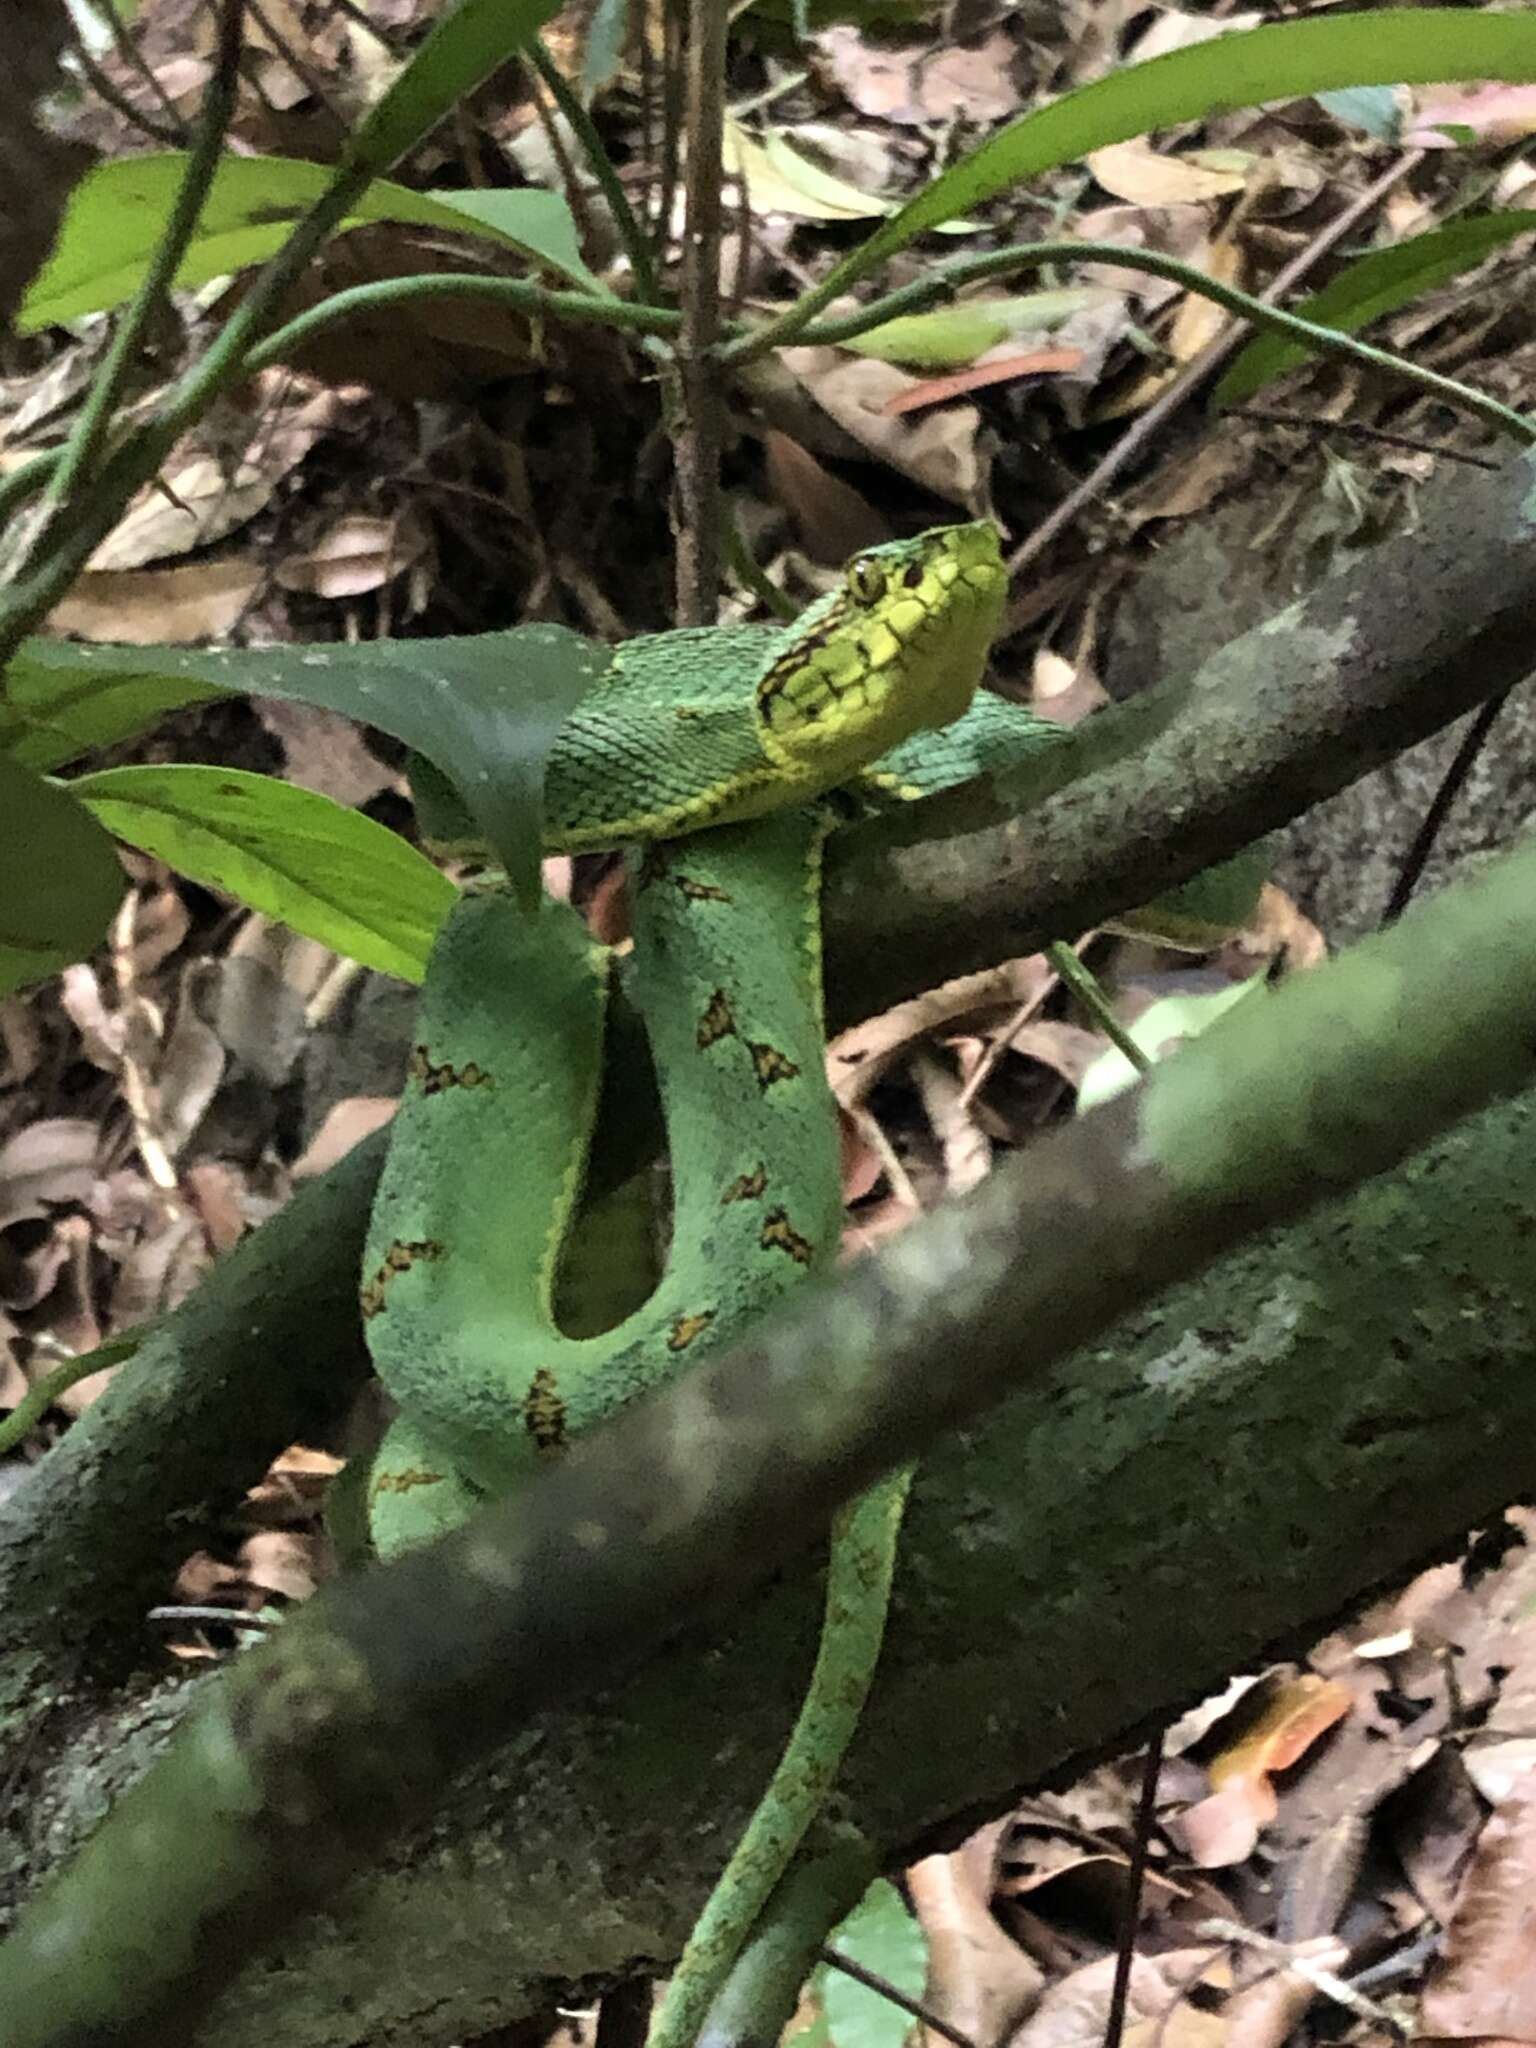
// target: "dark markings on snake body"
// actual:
[[779, 1235], [747, 1187], [544, 1412], [437, 1079], [703, 892], [686, 1328], [769, 1064], [398, 1259], [779, 683], [718, 1020], [404, 1481]]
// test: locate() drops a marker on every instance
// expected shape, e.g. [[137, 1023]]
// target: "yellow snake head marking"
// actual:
[[899, 647]]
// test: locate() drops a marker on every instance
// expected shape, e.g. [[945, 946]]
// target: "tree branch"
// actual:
[[323, 1741]]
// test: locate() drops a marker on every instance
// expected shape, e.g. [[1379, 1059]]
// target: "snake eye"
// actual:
[[866, 580]]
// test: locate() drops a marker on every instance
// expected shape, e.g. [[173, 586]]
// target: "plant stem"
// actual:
[[515, 292], [582, 126], [1085, 987], [110, 382], [946, 279], [699, 433]]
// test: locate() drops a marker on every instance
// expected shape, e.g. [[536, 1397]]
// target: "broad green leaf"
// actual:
[[118, 212], [468, 42], [955, 335], [1158, 1031], [485, 709], [882, 1935], [60, 882], [328, 872], [57, 704], [1375, 284], [1390, 46]]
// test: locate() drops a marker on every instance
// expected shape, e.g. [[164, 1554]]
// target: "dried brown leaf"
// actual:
[[1484, 1983], [148, 607]]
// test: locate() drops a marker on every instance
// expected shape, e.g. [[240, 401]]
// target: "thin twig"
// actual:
[[1327, 1981], [698, 436], [872, 1981], [111, 380], [515, 292], [1417, 857], [127, 48], [671, 122], [37, 1400], [1125, 1954], [575, 191], [942, 283], [106, 89], [1195, 374], [222, 1617], [298, 64], [584, 128], [1085, 987], [1358, 430]]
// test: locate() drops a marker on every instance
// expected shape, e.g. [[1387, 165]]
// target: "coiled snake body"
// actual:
[[710, 748]]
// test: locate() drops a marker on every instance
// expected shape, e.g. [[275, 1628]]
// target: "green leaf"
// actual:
[[1376, 284], [470, 41], [1160, 1030], [882, 1935], [485, 709], [118, 211], [57, 704], [955, 335], [329, 872], [1391, 46], [62, 882]]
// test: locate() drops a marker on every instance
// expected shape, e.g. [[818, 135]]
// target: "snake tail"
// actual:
[[860, 1569]]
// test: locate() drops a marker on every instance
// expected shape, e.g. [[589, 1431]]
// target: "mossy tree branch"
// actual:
[[328, 1738]]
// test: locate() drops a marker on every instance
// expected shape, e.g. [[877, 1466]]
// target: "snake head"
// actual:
[[898, 647]]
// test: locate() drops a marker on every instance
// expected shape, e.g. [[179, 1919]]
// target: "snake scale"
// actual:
[[710, 751]]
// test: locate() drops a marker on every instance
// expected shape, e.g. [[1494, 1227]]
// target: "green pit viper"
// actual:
[[743, 731]]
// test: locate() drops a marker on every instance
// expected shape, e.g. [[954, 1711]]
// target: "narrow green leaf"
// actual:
[[955, 335], [118, 211], [1375, 284], [470, 41], [329, 872], [882, 1935], [485, 709], [1390, 46], [62, 882]]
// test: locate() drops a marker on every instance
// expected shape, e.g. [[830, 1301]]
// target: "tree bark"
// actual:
[[1211, 1481]]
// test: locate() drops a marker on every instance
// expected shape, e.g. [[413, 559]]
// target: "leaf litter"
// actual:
[[147, 1114]]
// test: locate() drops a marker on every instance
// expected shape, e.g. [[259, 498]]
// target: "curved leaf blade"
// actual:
[[330, 873], [1393, 46], [1376, 284], [62, 879], [118, 211], [485, 709]]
